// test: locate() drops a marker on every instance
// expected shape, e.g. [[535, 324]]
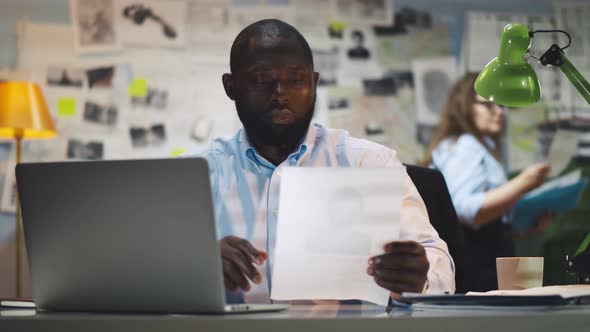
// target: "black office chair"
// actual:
[[433, 188]]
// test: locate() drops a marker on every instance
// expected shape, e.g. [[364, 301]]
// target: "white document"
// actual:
[[565, 291], [94, 26], [433, 78], [563, 148], [331, 220], [151, 23], [9, 194], [360, 12]]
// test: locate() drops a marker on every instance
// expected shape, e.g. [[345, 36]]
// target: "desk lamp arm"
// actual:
[[555, 56]]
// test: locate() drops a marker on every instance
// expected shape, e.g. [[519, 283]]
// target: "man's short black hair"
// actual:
[[268, 28]]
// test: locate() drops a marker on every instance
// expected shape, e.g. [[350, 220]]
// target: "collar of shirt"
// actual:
[[489, 142], [260, 163]]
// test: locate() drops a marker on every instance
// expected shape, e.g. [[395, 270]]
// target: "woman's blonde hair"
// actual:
[[457, 118]]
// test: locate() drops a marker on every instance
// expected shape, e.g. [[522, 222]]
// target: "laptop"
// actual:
[[123, 236]]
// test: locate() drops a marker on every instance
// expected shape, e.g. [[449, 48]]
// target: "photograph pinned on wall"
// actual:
[[379, 87], [359, 50], [433, 77], [151, 23], [209, 16], [67, 77], [9, 194], [311, 16], [364, 12], [405, 20], [207, 25], [327, 63], [142, 137], [245, 12], [155, 98], [391, 84], [336, 104], [100, 77], [85, 150], [403, 79], [105, 115], [94, 26]]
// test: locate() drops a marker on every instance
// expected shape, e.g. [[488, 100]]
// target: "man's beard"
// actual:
[[261, 130]]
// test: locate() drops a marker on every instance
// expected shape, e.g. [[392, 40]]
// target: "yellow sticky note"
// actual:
[[66, 107], [138, 88], [337, 26], [177, 152]]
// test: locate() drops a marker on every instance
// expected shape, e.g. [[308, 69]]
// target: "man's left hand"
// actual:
[[403, 267]]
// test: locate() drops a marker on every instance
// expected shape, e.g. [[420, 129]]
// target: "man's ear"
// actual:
[[316, 77], [228, 85]]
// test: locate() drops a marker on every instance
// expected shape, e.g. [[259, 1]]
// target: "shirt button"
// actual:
[[275, 213]]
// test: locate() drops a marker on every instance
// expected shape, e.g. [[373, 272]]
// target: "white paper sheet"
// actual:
[[151, 23], [9, 194], [244, 13], [361, 12], [563, 148], [565, 291], [331, 220], [433, 78], [94, 23]]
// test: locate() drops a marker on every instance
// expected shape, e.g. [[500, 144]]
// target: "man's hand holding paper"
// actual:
[[322, 250], [402, 268]]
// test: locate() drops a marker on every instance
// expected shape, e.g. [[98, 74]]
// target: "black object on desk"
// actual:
[[496, 300], [579, 263]]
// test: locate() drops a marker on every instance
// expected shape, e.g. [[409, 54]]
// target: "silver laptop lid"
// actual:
[[127, 235]]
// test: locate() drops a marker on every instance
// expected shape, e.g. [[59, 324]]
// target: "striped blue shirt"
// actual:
[[245, 190]]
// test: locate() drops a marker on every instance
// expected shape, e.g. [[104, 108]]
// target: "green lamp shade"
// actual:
[[509, 80]]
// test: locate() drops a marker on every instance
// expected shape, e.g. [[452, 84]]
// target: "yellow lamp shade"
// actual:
[[24, 112]]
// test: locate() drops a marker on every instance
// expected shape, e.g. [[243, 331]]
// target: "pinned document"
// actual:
[[322, 251]]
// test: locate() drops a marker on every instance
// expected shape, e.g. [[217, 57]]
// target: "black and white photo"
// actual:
[[60, 76], [152, 23], [364, 12], [358, 51], [94, 25], [91, 150], [379, 87], [338, 103], [100, 114], [100, 77], [142, 137], [155, 98]]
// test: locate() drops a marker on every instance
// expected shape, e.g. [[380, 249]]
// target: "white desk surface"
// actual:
[[314, 318]]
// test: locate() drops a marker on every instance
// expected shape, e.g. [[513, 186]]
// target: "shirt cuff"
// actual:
[[469, 208]]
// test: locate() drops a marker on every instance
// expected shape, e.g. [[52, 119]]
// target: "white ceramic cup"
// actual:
[[519, 272]]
